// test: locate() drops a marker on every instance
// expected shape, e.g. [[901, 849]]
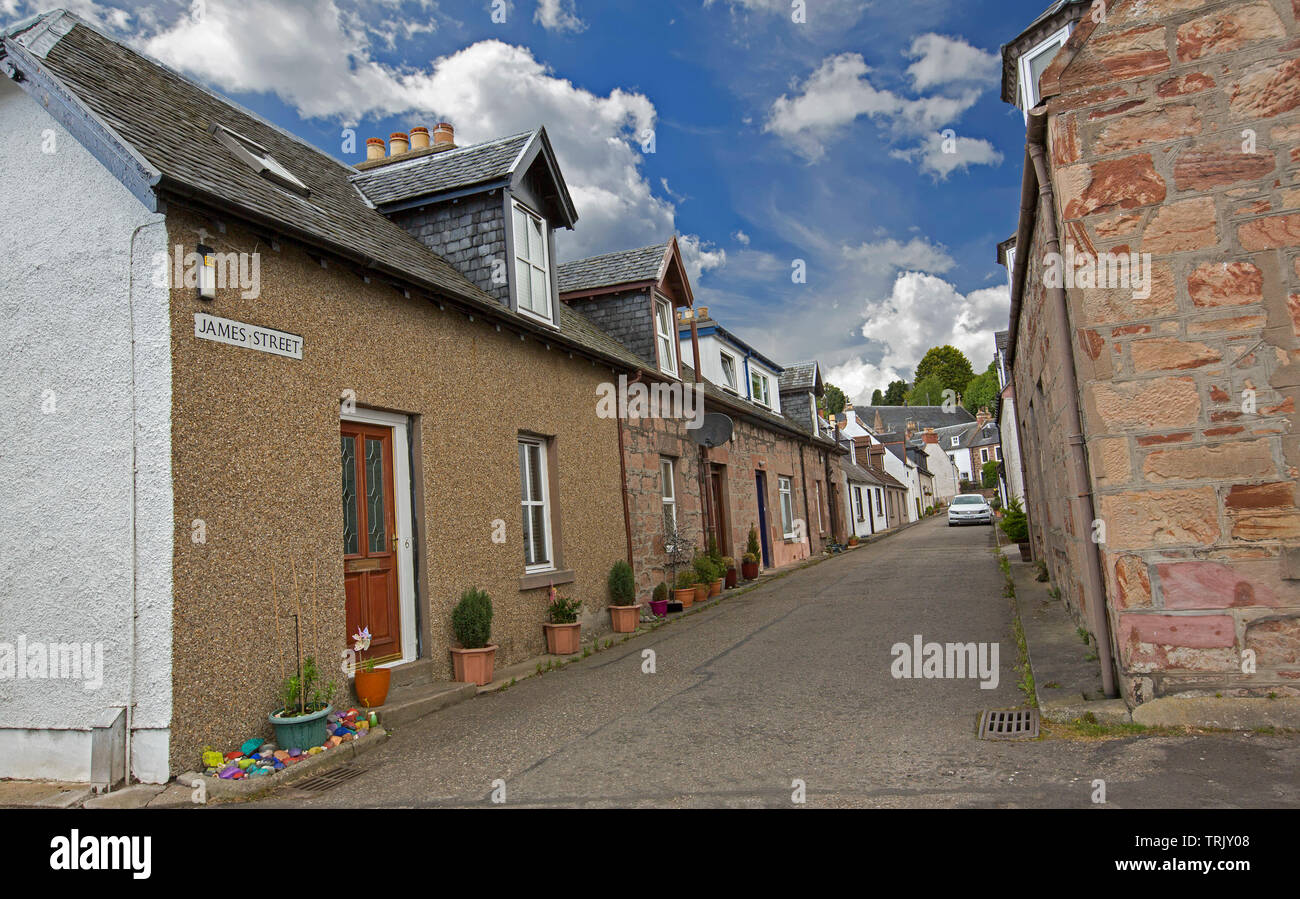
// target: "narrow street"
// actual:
[[792, 681]]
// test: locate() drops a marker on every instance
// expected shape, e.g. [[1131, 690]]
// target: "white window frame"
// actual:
[[666, 337], [1028, 89], [668, 489], [786, 494], [766, 400], [733, 382], [820, 526], [984, 454], [1011, 267], [857, 503], [880, 507], [540, 445], [544, 267], [956, 441], [258, 158]]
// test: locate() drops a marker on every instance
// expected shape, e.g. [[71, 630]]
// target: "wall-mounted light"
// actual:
[[207, 273]]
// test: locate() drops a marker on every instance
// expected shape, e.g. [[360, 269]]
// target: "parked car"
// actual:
[[969, 508]]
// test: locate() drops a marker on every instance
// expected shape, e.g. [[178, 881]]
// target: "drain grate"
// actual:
[[319, 783], [1008, 724]]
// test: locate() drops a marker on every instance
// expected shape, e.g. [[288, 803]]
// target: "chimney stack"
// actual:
[[398, 143], [419, 138], [704, 312], [983, 417], [929, 436], [374, 148], [444, 136]]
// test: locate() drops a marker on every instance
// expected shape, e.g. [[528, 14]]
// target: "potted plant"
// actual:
[[707, 576], [370, 681], [853, 541], [729, 566], [749, 561], [474, 660], [1015, 524], [624, 611], [719, 570], [563, 630], [659, 600], [685, 591], [304, 705]]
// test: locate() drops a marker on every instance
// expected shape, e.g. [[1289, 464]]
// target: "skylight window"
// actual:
[[259, 159]]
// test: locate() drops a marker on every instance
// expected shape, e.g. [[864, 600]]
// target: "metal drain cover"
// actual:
[[1008, 724], [321, 782]]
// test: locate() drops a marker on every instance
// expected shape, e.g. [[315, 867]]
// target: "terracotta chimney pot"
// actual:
[[929, 436], [375, 148], [444, 135], [398, 143], [419, 137]]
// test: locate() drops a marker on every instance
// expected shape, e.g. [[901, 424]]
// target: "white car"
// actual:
[[969, 508]]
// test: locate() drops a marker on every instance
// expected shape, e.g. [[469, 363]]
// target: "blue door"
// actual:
[[760, 479]]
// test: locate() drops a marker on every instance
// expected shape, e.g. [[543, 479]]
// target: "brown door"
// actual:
[[720, 529], [370, 537]]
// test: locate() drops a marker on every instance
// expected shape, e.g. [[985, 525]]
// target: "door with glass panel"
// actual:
[[370, 537]]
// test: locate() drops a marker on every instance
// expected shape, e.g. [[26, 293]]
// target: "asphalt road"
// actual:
[[793, 681]]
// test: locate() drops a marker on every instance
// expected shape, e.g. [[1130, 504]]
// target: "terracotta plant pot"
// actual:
[[731, 578], [372, 686], [701, 592], [563, 639], [716, 587], [1026, 551], [659, 607], [474, 666], [685, 596], [624, 619], [853, 541], [749, 570]]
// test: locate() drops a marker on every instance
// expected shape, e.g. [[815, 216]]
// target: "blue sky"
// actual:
[[774, 140]]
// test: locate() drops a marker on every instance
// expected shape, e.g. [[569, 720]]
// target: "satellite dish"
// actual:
[[715, 430]]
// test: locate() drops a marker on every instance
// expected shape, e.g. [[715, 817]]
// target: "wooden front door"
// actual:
[[370, 537], [720, 530]]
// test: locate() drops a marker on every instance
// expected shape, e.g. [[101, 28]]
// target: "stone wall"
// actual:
[[469, 233], [1175, 132]]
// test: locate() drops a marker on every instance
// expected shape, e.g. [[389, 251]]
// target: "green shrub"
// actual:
[[750, 558], [685, 579], [472, 619], [305, 695], [751, 548], [661, 592], [562, 610], [989, 474], [705, 571], [622, 585], [1014, 523]]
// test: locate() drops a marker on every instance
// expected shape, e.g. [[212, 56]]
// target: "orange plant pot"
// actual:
[[685, 596], [624, 619], [701, 592], [474, 666], [372, 686], [716, 587], [563, 639]]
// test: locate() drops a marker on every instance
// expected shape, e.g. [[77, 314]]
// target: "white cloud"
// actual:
[[741, 238], [558, 15], [941, 154], [699, 256], [943, 60], [884, 257], [316, 56]]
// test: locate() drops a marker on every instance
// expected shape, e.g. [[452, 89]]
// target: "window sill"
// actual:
[[546, 579]]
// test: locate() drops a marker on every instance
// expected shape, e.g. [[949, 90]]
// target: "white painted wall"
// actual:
[[945, 473], [710, 366], [1015, 485], [76, 264]]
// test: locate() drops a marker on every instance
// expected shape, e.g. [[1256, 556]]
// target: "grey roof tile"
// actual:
[[895, 418], [612, 269], [435, 173], [799, 376]]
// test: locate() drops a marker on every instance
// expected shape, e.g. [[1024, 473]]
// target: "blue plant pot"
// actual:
[[302, 732]]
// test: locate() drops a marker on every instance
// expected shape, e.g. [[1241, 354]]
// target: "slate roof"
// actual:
[[610, 269], [448, 170], [895, 418], [158, 123], [798, 377], [1051, 20], [857, 474]]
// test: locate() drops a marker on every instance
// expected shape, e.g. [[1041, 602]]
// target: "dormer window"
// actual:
[[759, 390], [258, 158], [956, 441], [532, 263], [1034, 63], [729, 372], [665, 334]]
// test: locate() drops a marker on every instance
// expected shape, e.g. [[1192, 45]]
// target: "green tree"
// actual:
[[926, 392], [948, 365], [982, 390], [833, 400], [877, 398], [895, 393], [989, 472]]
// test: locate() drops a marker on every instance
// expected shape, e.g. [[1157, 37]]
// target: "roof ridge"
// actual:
[[651, 246], [404, 164]]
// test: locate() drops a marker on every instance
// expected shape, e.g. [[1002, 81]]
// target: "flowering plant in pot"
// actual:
[[475, 659], [684, 591], [563, 630], [304, 705], [749, 561], [624, 612], [369, 680], [659, 600]]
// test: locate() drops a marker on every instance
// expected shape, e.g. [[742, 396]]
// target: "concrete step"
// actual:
[[418, 672], [414, 701]]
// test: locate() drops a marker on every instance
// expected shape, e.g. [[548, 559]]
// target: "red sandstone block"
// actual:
[[1195, 631], [1214, 585]]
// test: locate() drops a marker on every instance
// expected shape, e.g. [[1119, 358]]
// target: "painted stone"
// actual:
[[251, 745], [212, 759]]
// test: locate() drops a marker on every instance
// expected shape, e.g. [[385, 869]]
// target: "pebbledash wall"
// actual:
[[1174, 130], [256, 457], [87, 546]]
